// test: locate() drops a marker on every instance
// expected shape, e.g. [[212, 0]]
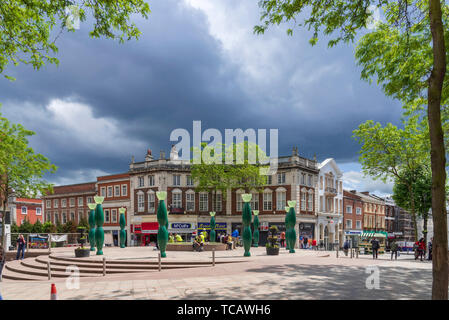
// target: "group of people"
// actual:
[[420, 249], [228, 240], [176, 237]]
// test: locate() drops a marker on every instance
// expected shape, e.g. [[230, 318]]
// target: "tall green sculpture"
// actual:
[[212, 236], [246, 220], [256, 228], [291, 220], [92, 224], [99, 220], [122, 227], [287, 209], [162, 219]]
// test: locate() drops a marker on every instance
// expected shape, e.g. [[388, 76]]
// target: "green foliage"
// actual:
[[272, 238], [29, 29], [25, 227], [420, 181], [69, 227], [14, 227], [37, 227], [48, 227], [84, 223]]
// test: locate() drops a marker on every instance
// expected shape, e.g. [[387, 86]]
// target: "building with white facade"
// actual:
[[330, 204]]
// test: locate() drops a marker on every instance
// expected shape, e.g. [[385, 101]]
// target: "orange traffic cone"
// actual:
[[53, 295]]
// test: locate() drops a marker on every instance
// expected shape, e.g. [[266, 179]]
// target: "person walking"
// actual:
[[346, 247], [430, 249], [20, 247], [305, 241], [421, 249], [314, 247], [394, 250], [282, 237], [375, 247]]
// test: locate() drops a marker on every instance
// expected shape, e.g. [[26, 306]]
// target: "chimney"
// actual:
[[365, 193]]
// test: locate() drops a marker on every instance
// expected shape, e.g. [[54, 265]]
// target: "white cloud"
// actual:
[[355, 180]]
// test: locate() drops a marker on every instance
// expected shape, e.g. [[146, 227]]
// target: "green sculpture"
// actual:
[[122, 227], [287, 209], [246, 220], [162, 219], [92, 207], [99, 220], [212, 237], [291, 222], [256, 228]]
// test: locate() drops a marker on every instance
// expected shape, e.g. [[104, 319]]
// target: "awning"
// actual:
[[373, 235], [150, 227]]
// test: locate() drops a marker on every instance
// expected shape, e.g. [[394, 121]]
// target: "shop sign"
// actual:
[[218, 226], [182, 227]]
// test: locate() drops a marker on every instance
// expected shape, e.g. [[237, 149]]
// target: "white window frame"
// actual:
[[107, 216], [218, 205], [189, 180], [64, 217], [255, 201], [176, 179], [124, 190], [239, 201], [140, 182], [281, 200], [55, 203], [113, 215], [26, 210], [72, 215], [281, 178], [103, 192], [38, 211], [190, 203], [80, 203], [151, 201], [70, 202], [310, 202], [176, 199], [48, 203], [348, 226], [63, 203], [110, 193], [117, 194], [204, 202], [358, 211], [140, 202], [358, 224], [350, 209], [267, 201], [150, 180]]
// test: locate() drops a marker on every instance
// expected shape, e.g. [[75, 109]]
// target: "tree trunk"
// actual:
[[413, 213], [438, 157], [425, 216]]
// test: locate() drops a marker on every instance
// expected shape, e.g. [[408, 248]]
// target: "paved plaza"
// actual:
[[305, 274]]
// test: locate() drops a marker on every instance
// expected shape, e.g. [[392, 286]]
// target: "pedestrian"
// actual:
[[20, 247], [305, 241], [229, 247], [430, 249], [346, 247], [421, 249], [314, 247], [394, 250], [375, 247], [178, 238], [282, 237]]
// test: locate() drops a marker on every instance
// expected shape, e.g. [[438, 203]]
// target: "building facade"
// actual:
[[330, 204], [69, 203], [189, 210], [22, 209], [352, 212]]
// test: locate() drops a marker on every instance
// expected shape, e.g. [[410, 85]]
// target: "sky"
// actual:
[[196, 60]]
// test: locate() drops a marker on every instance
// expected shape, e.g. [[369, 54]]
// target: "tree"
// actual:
[[390, 153], [29, 29], [37, 227], [48, 227], [21, 170], [25, 227], [420, 24], [421, 181]]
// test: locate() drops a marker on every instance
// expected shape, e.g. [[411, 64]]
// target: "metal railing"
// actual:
[[45, 240]]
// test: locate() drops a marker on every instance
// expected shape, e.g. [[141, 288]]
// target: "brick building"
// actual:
[[296, 179], [353, 212], [25, 209], [69, 203]]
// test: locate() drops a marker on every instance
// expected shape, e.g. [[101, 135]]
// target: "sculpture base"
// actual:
[[247, 254], [100, 253], [292, 251]]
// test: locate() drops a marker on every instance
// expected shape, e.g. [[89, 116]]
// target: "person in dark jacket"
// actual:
[[375, 247], [20, 247], [394, 250]]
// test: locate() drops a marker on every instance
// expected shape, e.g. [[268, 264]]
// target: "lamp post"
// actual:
[[92, 207], [256, 228], [99, 220], [212, 236], [122, 227], [246, 221], [162, 219], [291, 233]]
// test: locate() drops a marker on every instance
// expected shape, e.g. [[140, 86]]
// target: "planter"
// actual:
[[272, 251], [82, 253]]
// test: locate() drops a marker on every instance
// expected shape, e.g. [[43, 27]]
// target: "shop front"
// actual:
[[184, 229], [306, 231], [145, 233]]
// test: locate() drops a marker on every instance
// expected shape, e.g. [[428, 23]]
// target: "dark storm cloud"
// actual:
[[177, 73]]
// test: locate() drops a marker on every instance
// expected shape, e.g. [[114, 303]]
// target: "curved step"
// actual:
[[17, 267]]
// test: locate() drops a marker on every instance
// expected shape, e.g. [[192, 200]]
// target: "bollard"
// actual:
[[213, 257], [159, 261], [53, 293], [357, 252], [104, 266], [337, 251], [49, 243], [49, 270]]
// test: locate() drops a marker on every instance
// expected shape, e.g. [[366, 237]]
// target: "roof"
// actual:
[[333, 164], [113, 176], [88, 187]]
